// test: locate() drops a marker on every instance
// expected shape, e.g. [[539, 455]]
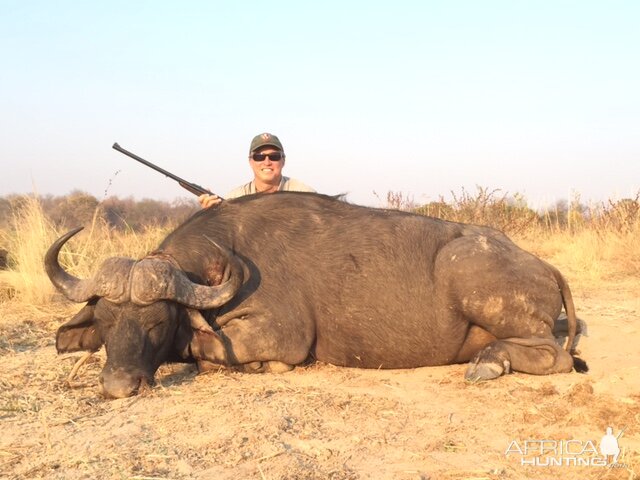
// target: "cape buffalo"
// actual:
[[285, 277]]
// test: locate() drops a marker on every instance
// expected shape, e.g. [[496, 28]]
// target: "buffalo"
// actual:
[[266, 282]]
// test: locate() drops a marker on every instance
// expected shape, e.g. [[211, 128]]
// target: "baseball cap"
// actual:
[[265, 139]]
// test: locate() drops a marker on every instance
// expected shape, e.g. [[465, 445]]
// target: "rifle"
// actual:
[[192, 187]]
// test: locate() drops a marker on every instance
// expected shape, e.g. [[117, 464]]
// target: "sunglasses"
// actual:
[[261, 157]]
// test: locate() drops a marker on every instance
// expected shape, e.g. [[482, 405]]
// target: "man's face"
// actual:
[[267, 171]]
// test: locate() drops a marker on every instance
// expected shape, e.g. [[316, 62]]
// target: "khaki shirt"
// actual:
[[286, 185]]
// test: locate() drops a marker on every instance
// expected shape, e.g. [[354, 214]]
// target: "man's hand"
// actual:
[[207, 201]]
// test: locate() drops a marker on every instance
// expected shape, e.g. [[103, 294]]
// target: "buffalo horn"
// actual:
[[110, 281], [154, 279]]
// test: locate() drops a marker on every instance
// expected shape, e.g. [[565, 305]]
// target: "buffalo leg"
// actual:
[[537, 356], [477, 338], [252, 367], [253, 345]]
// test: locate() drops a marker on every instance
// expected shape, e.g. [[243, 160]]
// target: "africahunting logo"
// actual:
[[568, 453]]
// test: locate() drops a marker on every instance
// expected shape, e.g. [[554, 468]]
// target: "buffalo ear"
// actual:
[[183, 337], [79, 333]]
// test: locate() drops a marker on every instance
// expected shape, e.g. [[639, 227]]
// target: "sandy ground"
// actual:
[[320, 421]]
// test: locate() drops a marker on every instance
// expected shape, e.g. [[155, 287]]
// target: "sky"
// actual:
[[424, 98]]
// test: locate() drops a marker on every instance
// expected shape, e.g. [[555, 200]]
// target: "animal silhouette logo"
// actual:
[[609, 446]]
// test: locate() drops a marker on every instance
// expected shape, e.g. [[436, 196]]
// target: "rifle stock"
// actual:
[[192, 187]]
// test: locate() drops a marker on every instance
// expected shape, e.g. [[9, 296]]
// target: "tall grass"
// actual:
[[591, 245], [32, 234], [597, 243]]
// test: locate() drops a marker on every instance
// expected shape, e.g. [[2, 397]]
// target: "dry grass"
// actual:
[[32, 234], [317, 422], [595, 243], [591, 254], [27, 243]]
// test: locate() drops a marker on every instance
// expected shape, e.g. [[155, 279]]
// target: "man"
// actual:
[[266, 159]]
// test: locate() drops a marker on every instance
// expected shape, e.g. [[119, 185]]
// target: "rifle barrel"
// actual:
[[147, 163], [192, 187]]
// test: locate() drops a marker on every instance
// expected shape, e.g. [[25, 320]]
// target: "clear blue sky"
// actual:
[[421, 97]]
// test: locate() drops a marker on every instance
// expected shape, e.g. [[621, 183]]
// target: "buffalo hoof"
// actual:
[[482, 371], [272, 366], [206, 366], [278, 367]]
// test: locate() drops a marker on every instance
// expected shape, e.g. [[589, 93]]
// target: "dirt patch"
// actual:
[[318, 421]]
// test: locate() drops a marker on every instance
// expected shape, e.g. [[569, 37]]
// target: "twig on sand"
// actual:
[[81, 361], [148, 478], [45, 427], [273, 455], [261, 473]]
